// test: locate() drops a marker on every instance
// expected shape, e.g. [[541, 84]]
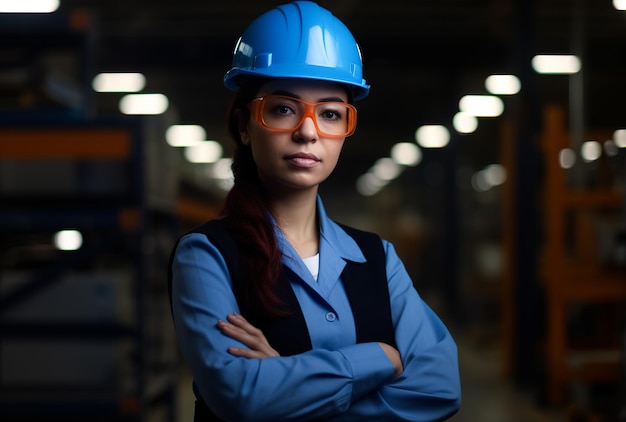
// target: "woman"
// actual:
[[281, 313]]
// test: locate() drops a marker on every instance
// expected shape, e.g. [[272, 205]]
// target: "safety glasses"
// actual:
[[280, 113]]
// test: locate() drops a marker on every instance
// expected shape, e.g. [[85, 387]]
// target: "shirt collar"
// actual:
[[335, 238]]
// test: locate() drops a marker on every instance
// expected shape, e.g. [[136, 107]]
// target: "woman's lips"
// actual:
[[303, 159]]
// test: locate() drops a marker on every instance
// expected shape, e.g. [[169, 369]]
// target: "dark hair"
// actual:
[[247, 215]]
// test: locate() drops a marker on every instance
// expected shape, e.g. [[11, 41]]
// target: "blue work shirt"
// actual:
[[338, 380]]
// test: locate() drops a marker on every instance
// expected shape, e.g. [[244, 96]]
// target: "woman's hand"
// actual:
[[238, 328], [394, 356]]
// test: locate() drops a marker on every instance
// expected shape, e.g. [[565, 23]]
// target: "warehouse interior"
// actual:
[[514, 231]]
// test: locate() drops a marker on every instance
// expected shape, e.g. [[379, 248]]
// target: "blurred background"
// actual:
[[491, 152]]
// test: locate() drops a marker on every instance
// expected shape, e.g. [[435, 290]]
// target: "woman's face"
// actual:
[[300, 158]]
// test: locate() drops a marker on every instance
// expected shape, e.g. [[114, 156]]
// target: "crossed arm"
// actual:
[[238, 328]]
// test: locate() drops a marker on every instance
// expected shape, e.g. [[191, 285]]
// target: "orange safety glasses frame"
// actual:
[[258, 108]]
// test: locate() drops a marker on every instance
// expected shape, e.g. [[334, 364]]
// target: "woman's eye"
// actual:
[[283, 109], [331, 114]]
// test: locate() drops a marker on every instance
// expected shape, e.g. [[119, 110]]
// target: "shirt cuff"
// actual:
[[371, 368]]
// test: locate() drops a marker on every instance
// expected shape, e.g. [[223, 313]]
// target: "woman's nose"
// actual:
[[307, 132]]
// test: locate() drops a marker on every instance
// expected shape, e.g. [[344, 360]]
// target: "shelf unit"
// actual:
[[85, 335], [572, 274]]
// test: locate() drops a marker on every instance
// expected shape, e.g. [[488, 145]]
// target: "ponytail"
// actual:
[[247, 216]]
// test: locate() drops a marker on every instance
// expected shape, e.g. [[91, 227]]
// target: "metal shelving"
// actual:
[[79, 329]]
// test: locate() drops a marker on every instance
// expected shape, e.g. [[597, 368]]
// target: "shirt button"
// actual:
[[330, 317]]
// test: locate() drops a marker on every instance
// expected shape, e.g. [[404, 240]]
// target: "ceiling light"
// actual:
[[556, 64], [503, 84], [222, 169], [386, 169], [28, 6], [118, 82], [464, 122], [481, 105], [406, 154], [591, 151], [610, 149], [204, 152], [68, 240], [619, 137], [184, 135], [222, 173], [148, 104], [489, 177], [567, 158], [432, 136], [368, 184], [619, 4], [479, 183], [495, 174]]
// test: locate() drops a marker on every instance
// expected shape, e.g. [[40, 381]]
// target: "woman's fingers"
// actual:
[[238, 328], [239, 321], [394, 356], [247, 353]]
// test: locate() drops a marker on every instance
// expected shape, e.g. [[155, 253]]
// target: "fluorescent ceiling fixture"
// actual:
[[184, 135], [567, 158], [610, 149], [495, 174], [222, 169], [28, 6], [222, 173], [503, 84], [204, 152], [479, 183], [406, 154], [556, 64], [464, 122], [68, 240], [489, 177], [619, 4], [619, 137], [591, 150], [432, 136], [368, 184], [481, 105], [118, 82], [144, 104], [386, 169]]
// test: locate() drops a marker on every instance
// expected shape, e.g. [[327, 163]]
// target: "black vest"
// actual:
[[365, 284]]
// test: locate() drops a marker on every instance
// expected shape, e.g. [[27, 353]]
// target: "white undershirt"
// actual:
[[313, 264]]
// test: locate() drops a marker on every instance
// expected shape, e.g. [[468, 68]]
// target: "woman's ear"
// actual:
[[245, 137], [242, 127]]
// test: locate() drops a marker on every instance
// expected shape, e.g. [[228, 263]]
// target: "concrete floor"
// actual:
[[490, 397]]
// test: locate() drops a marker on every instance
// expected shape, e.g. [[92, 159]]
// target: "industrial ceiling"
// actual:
[[420, 57]]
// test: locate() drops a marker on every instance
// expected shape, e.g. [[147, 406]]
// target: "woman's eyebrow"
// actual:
[[286, 94], [321, 100], [329, 99]]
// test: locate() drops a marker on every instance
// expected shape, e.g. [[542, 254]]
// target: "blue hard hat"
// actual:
[[298, 40]]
